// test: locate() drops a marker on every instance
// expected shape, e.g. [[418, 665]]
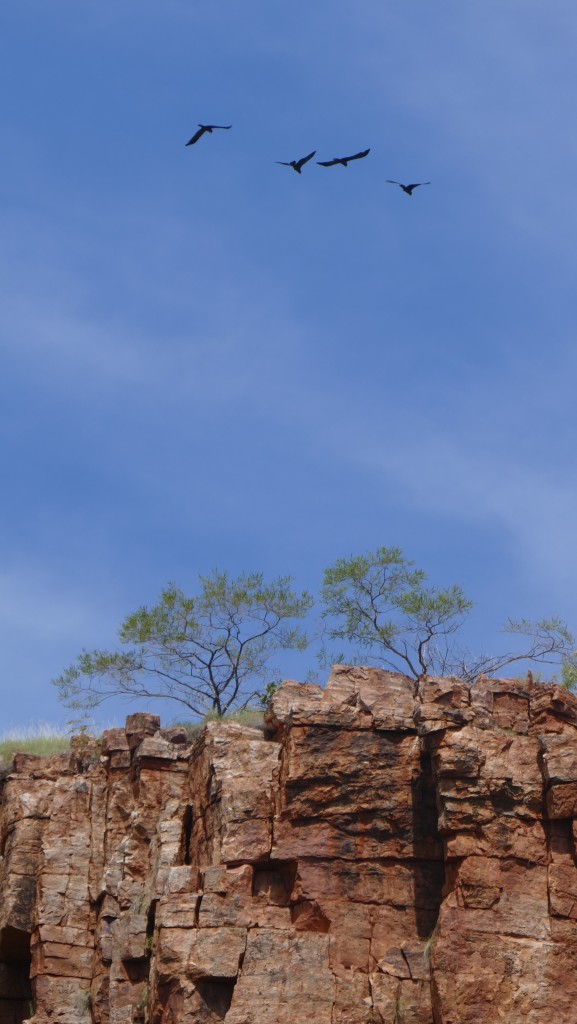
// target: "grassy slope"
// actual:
[[45, 740], [41, 746]]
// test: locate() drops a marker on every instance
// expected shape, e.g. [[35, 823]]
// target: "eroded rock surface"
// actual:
[[385, 853]]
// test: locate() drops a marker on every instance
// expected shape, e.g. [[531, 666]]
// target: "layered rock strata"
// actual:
[[386, 852]]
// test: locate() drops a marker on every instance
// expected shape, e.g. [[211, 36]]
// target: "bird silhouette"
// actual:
[[202, 129], [343, 160], [408, 188], [297, 165]]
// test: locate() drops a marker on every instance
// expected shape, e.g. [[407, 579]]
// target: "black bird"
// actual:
[[202, 129], [297, 165], [343, 159], [408, 188]]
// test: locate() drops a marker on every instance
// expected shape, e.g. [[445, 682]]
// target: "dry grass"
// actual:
[[42, 739], [252, 718]]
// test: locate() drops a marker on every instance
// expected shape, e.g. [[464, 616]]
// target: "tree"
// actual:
[[549, 643], [207, 652], [379, 602]]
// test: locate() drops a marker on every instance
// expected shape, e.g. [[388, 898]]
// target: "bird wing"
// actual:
[[328, 163], [391, 182], [227, 126], [285, 163], [358, 156], [418, 183], [196, 137], [305, 159]]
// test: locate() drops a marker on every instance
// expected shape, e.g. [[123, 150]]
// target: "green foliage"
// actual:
[[550, 643], [399, 1011], [569, 672], [250, 716], [427, 950], [140, 902], [211, 652], [39, 747], [143, 1001], [42, 740], [206, 652], [380, 605], [379, 602], [267, 694], [85, 1002]]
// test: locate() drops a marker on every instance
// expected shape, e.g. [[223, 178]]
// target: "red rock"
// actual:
[[395, 852]]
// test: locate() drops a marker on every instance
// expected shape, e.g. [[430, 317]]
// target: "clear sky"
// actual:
[[208, 360]]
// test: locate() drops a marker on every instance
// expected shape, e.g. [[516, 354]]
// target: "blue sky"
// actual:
[[207, 360]]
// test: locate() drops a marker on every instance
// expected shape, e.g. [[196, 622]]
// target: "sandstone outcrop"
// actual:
[[385, 852]]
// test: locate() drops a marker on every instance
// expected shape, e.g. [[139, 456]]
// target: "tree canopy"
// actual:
[[206, 652], [212, 651], [380, 605], [379, 602]]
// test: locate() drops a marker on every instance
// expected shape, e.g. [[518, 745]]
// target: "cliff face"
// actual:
[[388, 854]]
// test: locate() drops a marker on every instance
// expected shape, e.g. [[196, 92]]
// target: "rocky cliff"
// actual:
[[385, 852]]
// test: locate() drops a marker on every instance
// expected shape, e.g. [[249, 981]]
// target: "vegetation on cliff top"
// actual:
[[380, 605], [207, 652], [45, 740], [212, 651], [41, 739]]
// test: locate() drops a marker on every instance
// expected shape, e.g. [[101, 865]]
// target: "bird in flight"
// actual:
[[202, 129], [408, 188], [297, 165], [344, 160]]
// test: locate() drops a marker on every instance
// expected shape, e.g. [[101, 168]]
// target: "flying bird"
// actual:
[[297, 165], [408, 188], [344, 160], [202, 129]]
